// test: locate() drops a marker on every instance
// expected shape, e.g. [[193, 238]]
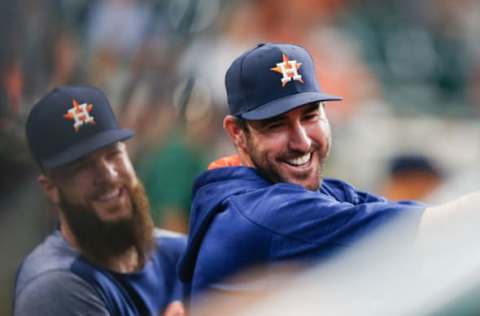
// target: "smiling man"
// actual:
[[106, 258], [290, 148], [269, 203]]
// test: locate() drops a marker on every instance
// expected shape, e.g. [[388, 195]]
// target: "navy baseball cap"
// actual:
[[272, 79], [69, 123]]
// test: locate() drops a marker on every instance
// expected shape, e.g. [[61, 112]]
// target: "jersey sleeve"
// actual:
[[345, 192], [305, 222], [59, 293]]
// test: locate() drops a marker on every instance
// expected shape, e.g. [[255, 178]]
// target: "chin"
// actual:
[[308, 185], [312, 187], [308, 181]]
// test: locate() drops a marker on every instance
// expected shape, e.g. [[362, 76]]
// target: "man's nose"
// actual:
[[106, 171], [299, 138]]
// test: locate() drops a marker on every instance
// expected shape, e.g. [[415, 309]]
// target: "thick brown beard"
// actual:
[[100, 241]]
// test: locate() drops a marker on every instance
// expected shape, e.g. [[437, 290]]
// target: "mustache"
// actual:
[[315, 147]]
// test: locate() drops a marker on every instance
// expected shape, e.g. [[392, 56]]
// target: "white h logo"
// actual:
[[80, 113], [289, 70]]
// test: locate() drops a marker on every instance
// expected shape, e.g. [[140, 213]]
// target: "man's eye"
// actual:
[[311, 116], [115, 153], [275, 125]]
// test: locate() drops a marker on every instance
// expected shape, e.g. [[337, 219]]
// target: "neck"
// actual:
[[245, 158], [126, 262]]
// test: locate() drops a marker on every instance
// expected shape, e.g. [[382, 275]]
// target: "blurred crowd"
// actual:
[[408, 71]]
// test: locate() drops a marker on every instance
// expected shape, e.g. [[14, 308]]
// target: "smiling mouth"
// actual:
[[109, 195], [300, 161]]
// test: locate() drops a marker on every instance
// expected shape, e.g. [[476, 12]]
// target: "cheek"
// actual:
[[77, 185], [272, 147], [257, 144], [321, 133], [73, 195], [127, 171]]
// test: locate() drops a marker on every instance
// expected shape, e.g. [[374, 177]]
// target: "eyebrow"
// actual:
[[312, 107]]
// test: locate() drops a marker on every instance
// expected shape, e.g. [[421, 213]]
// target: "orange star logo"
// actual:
[[80, 113], [289, 70]]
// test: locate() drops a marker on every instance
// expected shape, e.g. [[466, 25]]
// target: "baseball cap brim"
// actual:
[[285, 104], [87, 146]]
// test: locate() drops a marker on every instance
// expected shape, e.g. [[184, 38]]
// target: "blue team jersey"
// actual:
[[239, 219], [55, 280]]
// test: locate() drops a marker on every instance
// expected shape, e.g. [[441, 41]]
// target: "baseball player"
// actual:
[[105, 258], [269, 203]]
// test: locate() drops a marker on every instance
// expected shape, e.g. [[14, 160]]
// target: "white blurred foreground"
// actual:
[[435, 272]]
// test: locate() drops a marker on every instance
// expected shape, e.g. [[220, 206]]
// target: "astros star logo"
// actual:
[[80, 113], [289, 70]]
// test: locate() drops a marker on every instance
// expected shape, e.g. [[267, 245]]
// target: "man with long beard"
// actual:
[[269, 204], [106, 258]]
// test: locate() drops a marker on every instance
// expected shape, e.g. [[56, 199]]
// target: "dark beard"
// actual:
[[100, 241], [268, 170]]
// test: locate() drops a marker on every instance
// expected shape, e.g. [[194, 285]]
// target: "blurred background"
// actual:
[[408, 72]]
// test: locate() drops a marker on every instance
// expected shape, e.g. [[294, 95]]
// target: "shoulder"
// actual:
[[58, 292], [276, 196], [53, 254], [277, 206], [168, 234], [169, 243], [168, 237], [333, 182], [336, 185]]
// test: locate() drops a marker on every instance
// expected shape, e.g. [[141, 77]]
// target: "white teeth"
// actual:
[[300, 160], [109, 195]]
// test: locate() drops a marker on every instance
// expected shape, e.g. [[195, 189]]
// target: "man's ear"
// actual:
[[50, 188], [239, 138], [235, 132]]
